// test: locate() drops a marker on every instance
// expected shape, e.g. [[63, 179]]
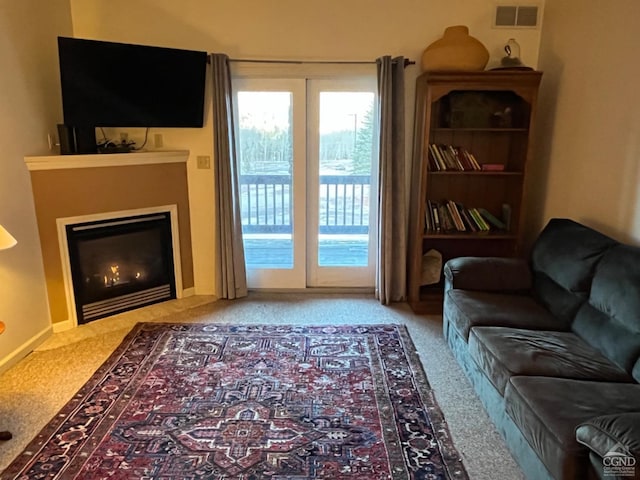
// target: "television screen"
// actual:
[[107, 84]]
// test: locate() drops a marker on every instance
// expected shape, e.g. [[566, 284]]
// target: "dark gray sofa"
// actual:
[[551, 345]]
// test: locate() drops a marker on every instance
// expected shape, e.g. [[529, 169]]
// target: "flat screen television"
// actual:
[[107, 84]]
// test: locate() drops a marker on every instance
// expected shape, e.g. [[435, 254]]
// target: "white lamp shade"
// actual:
[[6, 239]]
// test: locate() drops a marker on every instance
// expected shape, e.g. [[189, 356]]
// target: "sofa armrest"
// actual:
[[489, 274], [610, 434]]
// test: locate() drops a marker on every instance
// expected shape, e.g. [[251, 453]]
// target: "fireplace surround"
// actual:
[[118, 261], [120, 264], [86, 188]]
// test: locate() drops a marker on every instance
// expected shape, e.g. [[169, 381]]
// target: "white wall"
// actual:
[[285, 29], [589, 135], [30, 106]]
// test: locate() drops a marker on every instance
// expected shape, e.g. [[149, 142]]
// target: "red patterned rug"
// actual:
[[207, 401]]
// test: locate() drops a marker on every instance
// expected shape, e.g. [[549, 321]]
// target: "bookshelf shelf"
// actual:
[[483, 130], [488, 115], [479, 173], [472, 235]]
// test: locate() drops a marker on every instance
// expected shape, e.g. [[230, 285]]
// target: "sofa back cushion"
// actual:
[[611, 320], [563, 261]]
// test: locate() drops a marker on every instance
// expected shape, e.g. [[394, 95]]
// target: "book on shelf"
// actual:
[[492, 167], [443, 158], [435, 163], [428, 223], [446, 222], [452, 217], [453, 154], [466, 216], [469, 159], [435, 216], [455, 215], [499, 224], [484, 226], [432, 219], [506, 215], [448, 158]]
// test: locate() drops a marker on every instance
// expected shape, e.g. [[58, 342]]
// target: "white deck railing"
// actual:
[[266, 202]]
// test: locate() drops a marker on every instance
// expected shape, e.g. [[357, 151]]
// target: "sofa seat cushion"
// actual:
[[466, 309], [504, 352], [548, 411]]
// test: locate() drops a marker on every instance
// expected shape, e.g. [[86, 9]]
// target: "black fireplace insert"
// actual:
[[121, 264]]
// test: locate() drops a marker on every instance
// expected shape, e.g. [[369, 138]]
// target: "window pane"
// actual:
[[345, 158], [265, 154]]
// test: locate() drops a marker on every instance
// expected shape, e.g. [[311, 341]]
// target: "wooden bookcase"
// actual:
[[489, 114]]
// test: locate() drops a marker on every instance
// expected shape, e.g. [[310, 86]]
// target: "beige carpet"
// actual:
[[34, 390]]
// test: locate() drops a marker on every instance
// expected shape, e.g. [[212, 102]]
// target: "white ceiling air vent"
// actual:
[[516, 16]]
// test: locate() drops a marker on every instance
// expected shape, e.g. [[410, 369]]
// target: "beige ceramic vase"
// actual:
[[456, 50]]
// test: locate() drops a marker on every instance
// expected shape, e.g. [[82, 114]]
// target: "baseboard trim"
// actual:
[[318, 290], [188, 292], [62, 326], [25, 349]]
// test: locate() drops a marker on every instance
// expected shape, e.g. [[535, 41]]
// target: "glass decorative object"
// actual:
[[512, 57]]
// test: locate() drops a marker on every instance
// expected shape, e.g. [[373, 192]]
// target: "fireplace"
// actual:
[[119, 264]]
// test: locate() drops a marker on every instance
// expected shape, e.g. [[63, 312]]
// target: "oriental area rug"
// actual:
[[209, 401]]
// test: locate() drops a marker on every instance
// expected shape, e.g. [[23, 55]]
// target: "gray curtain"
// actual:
[[231, 275], [391, 274]]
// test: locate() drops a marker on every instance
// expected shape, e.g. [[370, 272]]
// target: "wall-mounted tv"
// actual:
[[107, 84]]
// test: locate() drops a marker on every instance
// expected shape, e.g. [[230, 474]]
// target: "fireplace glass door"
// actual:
[[121, 264]]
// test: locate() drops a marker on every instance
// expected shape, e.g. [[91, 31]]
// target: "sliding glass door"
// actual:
[[271, 115], [341, 183], [306, 150]]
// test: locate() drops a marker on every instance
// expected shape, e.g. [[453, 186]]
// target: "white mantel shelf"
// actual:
[[57, 162]]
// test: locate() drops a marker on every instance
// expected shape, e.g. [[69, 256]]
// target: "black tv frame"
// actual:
[[110, 84]]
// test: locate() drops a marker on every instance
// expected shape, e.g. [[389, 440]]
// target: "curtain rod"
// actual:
[[407, 62]]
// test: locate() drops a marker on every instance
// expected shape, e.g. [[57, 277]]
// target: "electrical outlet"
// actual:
[[158, 141], [124, 136], [204, 161]]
